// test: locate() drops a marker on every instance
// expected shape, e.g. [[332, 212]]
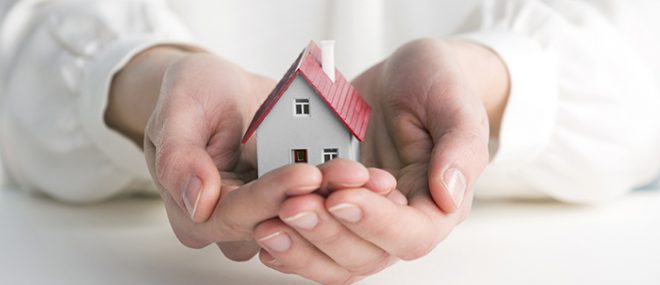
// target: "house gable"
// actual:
[[340, 96], [282, 132]]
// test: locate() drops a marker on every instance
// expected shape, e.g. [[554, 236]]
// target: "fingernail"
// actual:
[[191, 194], [455, 183], [347, 212], [270, 259], [278, 241], [303, 220]]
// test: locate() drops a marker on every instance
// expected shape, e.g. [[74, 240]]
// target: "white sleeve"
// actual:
[[582, 123], [59, 58]]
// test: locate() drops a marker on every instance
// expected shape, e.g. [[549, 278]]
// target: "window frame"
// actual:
[[333, 152], [304, 105]]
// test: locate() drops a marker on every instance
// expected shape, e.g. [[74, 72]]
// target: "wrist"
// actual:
[[135, 90], [489, 76]]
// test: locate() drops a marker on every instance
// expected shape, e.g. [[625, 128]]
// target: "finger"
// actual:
[[188, 175], [239, 250], [460, 143], [407, 232], [179, 133], [285, 251], [243, 208], [308, 216], [380, 181], [397, 197], [457, 160], [342, 173]]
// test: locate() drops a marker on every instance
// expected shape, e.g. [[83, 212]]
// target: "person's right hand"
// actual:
[[192, 146], [191, 110]]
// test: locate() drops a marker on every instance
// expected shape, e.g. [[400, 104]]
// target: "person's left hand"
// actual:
[[364, 226], [309, 241], [430, 129]]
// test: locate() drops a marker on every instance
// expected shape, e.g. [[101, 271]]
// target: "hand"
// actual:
[[435, 105], [197, 106], [309, 241], [429, 116], [430, 125], [364, 226]]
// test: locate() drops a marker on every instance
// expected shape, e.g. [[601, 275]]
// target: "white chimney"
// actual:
[[328, 58]]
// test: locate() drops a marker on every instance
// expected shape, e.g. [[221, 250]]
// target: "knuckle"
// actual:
[[237, 255], [297, 265], [278, 267], [267, 227], [283, 268], [345, 280], [371, 267], [232, 229], [190, 241], [377, 230], [418, 250], [329, 238]]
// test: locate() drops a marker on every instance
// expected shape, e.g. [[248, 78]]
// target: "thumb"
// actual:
[[175, 148], [187, 173], [457, 160]]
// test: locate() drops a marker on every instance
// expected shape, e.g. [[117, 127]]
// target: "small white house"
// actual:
[[313, 115]]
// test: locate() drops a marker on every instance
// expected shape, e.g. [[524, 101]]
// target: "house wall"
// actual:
[[281, 131], [354, 148]]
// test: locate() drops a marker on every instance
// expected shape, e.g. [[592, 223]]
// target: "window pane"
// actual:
[[301, 106], [330, 154]]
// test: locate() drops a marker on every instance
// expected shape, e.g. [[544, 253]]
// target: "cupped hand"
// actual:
[[309, 240], [429, 127], [193, 150], [435, 106], [361, 228]]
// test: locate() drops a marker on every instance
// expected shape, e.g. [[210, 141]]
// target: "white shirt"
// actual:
[[582, 123]]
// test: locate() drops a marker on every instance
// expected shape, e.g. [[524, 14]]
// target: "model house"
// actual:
[[312, 116]]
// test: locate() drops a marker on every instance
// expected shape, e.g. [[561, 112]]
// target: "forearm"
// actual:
[[490, 76], [135, 90]]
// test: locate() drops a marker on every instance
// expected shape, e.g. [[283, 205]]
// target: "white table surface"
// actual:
[[129, 242]]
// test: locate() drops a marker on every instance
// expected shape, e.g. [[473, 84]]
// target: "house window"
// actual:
[[299, 155], [330, 154], [301, 107]]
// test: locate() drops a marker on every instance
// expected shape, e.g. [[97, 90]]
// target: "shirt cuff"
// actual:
[[530, 115], [94, 100]]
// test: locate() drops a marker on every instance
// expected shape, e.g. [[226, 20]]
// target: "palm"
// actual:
[[223, 106], [395, 144], [235, 161], [417, 99], [196, 127]]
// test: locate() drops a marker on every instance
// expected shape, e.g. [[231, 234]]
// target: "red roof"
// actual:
[[340, 96]]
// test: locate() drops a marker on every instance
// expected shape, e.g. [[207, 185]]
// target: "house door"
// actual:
[[299, 155]]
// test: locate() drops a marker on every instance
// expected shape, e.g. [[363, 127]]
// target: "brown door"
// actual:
[[299, 155]]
